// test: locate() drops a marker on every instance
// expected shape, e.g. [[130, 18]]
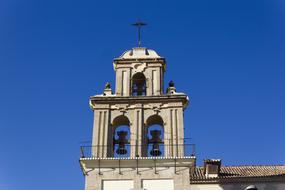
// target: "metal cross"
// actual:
[[139, 24]]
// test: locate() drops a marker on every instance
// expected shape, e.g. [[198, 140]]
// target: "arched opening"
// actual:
[[154, 136], [119, 142], [139, 85]]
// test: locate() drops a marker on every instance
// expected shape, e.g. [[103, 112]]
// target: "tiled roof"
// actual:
[[233, 173]]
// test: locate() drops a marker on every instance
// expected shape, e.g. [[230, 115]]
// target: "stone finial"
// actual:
[[107, 90], [107, 85], [171, 83], [171, 88]]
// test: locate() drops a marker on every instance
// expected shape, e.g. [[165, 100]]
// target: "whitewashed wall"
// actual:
[[163, 184], [118, 184]]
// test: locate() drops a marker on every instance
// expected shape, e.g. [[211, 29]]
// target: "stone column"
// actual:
[[100, 133], [95, 136], [105, 129], [123, 82], [119, 82], [137, 131], [167, 133], [133, 132], [174, 132], [180, 131]]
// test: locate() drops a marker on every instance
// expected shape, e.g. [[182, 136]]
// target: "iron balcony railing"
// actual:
[[131, 151]]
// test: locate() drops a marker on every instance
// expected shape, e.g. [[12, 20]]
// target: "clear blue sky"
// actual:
[[228, 56]]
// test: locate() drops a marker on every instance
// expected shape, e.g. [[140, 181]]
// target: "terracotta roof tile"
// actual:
[[238, 172]]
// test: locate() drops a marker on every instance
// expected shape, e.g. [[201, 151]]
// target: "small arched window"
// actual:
[[139, 85]]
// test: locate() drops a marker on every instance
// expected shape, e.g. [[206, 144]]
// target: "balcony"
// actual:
[[134, 151], [128, 156]]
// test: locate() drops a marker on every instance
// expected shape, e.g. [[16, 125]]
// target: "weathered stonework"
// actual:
[[139, 101]]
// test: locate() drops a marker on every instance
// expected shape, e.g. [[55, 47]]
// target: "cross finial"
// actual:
[[139, 24]]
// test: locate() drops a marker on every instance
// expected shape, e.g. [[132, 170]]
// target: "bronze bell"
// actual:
[[155, 141], [122, 141]]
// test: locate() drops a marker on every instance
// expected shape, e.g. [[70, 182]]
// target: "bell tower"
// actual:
[[138, 130]]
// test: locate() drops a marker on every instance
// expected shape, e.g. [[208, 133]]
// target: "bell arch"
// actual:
[[139, 84], [153, 136], [119, 137]]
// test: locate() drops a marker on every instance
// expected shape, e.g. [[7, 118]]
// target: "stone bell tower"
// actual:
[[138, 131]]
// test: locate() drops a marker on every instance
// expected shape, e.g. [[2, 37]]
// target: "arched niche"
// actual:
[[154, 136], [119, 138], [138, 84]]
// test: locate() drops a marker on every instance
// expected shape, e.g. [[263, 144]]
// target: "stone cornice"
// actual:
[[138, 99], [139, 60], [131, 61]]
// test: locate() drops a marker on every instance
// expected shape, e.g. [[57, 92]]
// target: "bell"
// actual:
[[122, 142], [155, 140], [155, 150], [121, 149]]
